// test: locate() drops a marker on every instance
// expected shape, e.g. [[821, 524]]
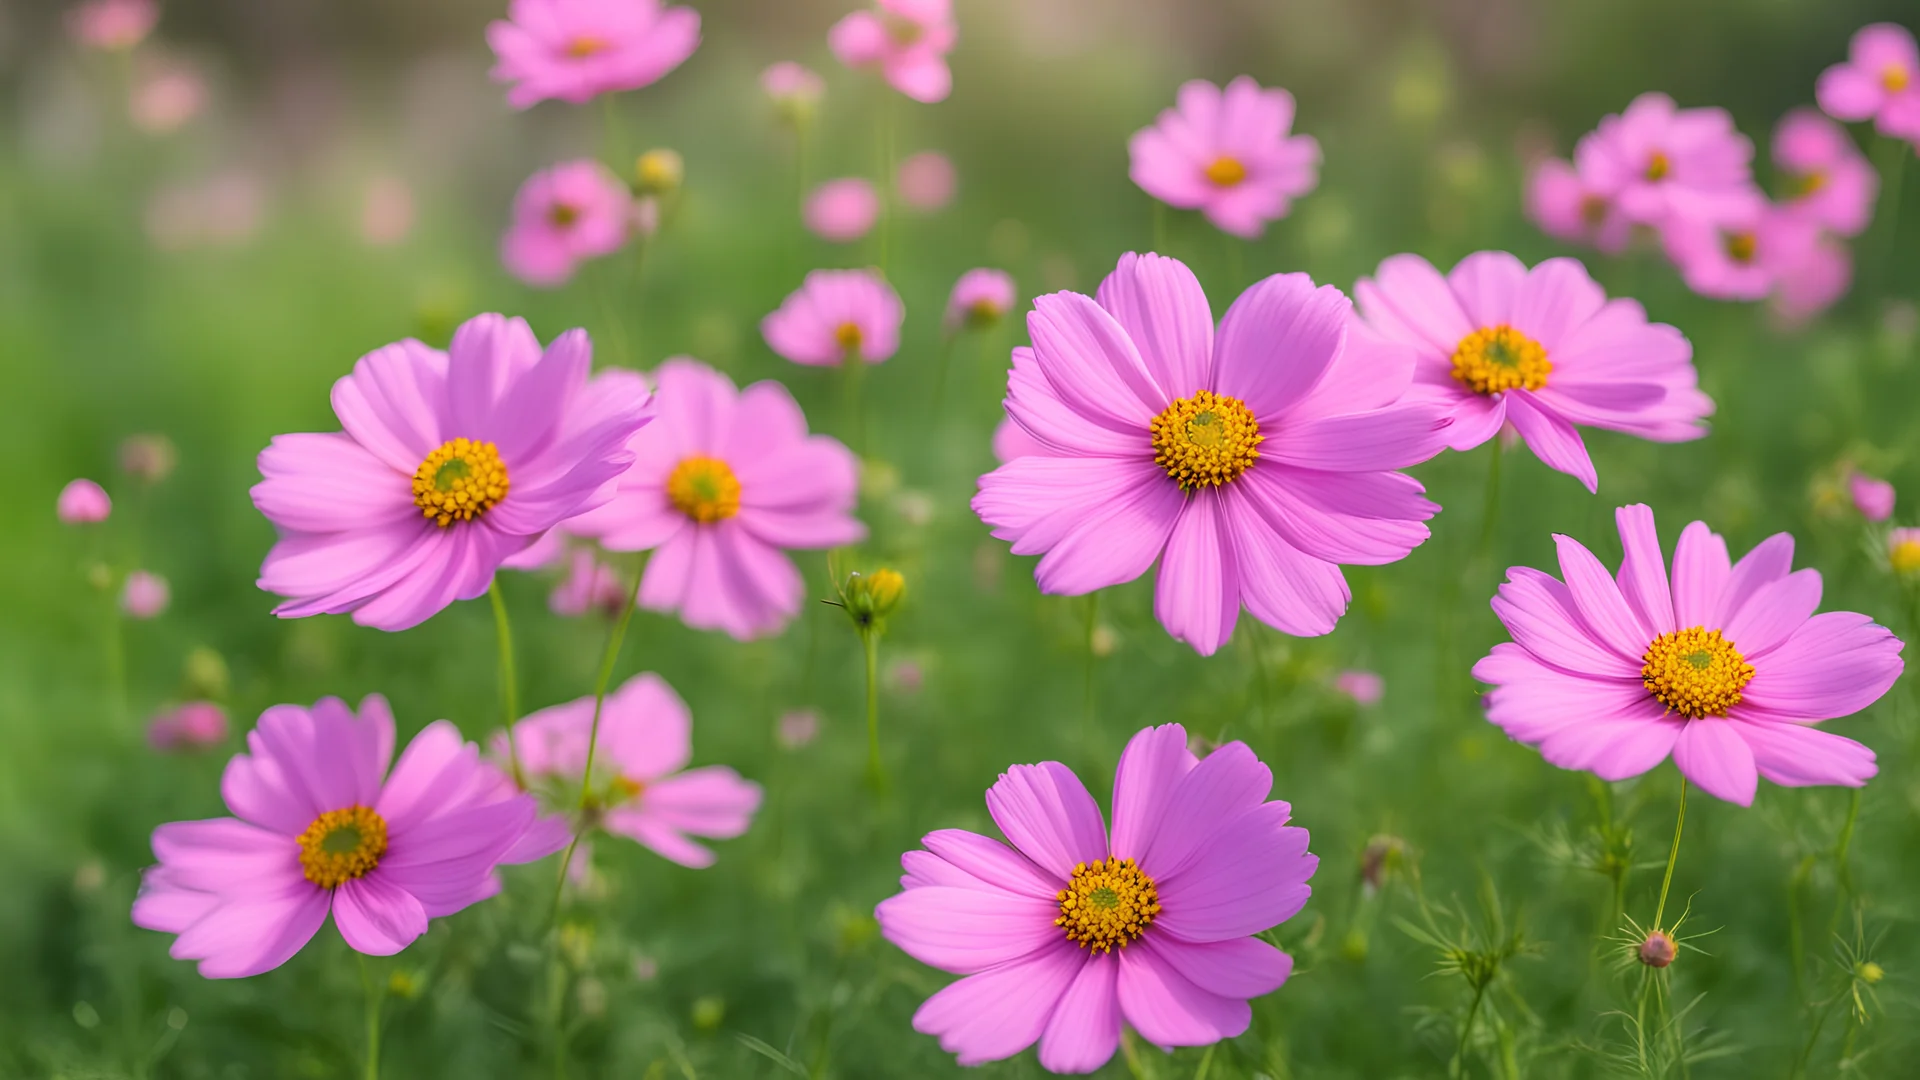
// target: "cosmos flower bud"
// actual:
[[206, 673], [1870, 972], [870, 598], [196, 725], [795, 90], [83, 502], [659, 172], [145, 595], [1658, 950]]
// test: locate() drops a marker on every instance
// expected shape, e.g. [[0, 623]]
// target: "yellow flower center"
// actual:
[[563, 215], [1593, 210], [1905, 557], [625, 789], [1894, 78], [704, 488], [1226, 171], [1695, 672], [1497, 358], [1741, 246], [1206, 439], [1107, 904], [342, 845], [1658, 166], [463, 479], [1810, 183], [584, 46], [848, 336]]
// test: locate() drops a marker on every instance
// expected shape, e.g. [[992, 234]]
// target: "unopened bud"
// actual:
[[1870, 972], [1658, 950], [659, 172], [870, 598]]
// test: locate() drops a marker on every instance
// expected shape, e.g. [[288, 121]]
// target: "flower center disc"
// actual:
[[1695, 672], [1894, 78], [1498, 358], [1206, 439], [463, 479], [582, 47], [1107, 904], [704, 488], [1740, 246], [848, 336], [562, 215], [1226, 171], [342, 845], [1658, 166]]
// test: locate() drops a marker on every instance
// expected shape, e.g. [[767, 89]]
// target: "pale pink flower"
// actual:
[[721, 482], [1198, 864], [450, 463], [1814, 282], [1656, 161], [926, 181], [793, 88], [1566, 207], [590, 585], [1724, 666], [834, 316], [576, 210], [1741, 255], [905, 677], [797, 728], [842, 210], [1543, 349], [1831, 183], [1011, 441], [148, 457], [1364, 687], [1249, 464], [144, 595], [83, 502], [1871, 496], [196, 725], [907, 41], [981, 297], [112, 25], [386, 211], [224, 211], [1880, 81], [166, 97], [1227, 154], [320, 826], [574, 50]]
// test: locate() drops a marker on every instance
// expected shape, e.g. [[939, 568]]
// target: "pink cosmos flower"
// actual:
[[1567, 207], [1542, 349], [1364, 687], [112, 25], [195, 725], [1871, 496], [1657, 161], [926, 181], [1903, 552], [640, 769], [1074, 931], [794, 88], [797, 728], [83, 502], [590, 585], [450, 463], [1741, 255], [386, 211], [319, 826], [575, 211], [834, 316], [1010, 441], [574, 50], [1227, 154], [1250, 464], [980, 298], [145, 595], [721, 481], [1880, 81], [906, 40], [1832, 183], [1814, 282], [842, 210], [166, 97], [1724, 666]]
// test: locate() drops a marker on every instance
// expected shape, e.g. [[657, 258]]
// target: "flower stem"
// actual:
[[509, 682], [940, 374], [876, 775], [1466, 1031], [1672, 856], [851, 365], [1895, 153], [1491, 517], [373, 1019], [1842, 869], [615, 638], [885, 132]]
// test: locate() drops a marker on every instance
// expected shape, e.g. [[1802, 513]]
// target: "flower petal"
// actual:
[[1598, 598], [1700, 572], [1711, 753], [1197, 593], [1551, 438], [1167, 1009], [1084, 1030], [1278, 341], [1643, 571], [1151, 768], [1794, 755], [1250, 875], [1000, 1012], [1045, 811], [1160, 305], [965, 931]]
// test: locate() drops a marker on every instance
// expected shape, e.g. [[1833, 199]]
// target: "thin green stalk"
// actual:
[[373, 1019], [609, 313], [1892, 177], [870, 642], [613, 142], [1842, 868], [116, 650], [940, 374], [1673, 855], [1466, 1031], [1491, 512], [615, 638], [1813, 1038], [885, 182], [850, 366], [509, 681]]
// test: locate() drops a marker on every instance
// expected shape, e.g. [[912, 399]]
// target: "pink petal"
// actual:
[[1236, 968], [1197, 593], [1160, 305], [395, 403], [1551, 438], [1774, 612], [1047, 814], [1540, 614], [1390, 438], [1084, 1030], [991, 862], [1092, 363], [1711, 753], [1213, 794], [646, 729], [1598, 599], [1288, 589], [965, 931], [1768, 562], [1097, 521], [1277, 342], [328, 483], [1000, 1012], [248, 937], [1409, 300], [1250, 875], [1613, 744], [1700, 573], [1489, 285], [1150, 769], [1835, 664], [1167, 1009], [487, 354], [377, 917], [1366, 519], [1643, 571], [224, 855], [1793, 755], [1557, 296]]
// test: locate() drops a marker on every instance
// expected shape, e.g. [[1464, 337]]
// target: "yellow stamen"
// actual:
[[1206, 439], [704, 488], [342, 845], [1226, 171], [1741, 246], [1658, 166], [1497, 358], [562, 215], [1593, 210], [1810, 183], [1905, 557], [1894, 78], [1107, 905], [1695, 672], [848, 336], [584, 46], [461, 480], [625, 789]]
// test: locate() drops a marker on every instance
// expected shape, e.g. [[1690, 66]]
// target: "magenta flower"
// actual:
[[112, 25], [450, 463], [1880, 81], [980, 298], [1249, 464], [1542, 349], [1364, 687], [926, 181], [721, 482], [1871, 496], [843, 210], [644, 789], [1814, 282], [562, 216], [145, 595], [907, 41], [1831, 182], [195, 725], [1010, 441], [576, 49], [1073, 932], [1725, 666], [320, 826], [1227, 154], [1567, 207], [1657, 161], [834, 316], [1741, 255], [83, 502]]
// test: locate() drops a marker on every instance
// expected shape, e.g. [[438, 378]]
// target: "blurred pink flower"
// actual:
[[794, 88], [905, 677], [450, 463], [1657, 161], [149, 458], [1227, 154], [721, 482], [1812, 283], [1741, 255], [1249, 464], [842, 210], [981, 297], [226, 210], [1903, 551], [1364, 687], [1724, 666], [834, 316], [926, 181], [145, 595], [112, 25], [590, 585], [386, 211], [574, 211], [646, 791], [574, 50], [83, 502], [195, 725], [1831, 182], [797, 728], [1568, 208], [1871, 496], [1011, 441], [906, 40], [166, 97], [1880, 81], [1543, 349], [320, 826]]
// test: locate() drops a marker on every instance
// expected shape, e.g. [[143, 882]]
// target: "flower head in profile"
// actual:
[[722, 481], [1880, 81], [1829, 181], [1250, 463], [1723, 666], [1364, 687], [1068, 931], [319, 826], [1541, 349], [926, 181], [145, 595], [836, 316], [83, 502], [794, 89], [1744, 254], [112, 25], [981, 298], [1227, 153], [1657, 161], [195, 725], [562, 216], [907, 41], [842, 210], [450, 463], [1567, 207], [1872, 497], [574, 50]]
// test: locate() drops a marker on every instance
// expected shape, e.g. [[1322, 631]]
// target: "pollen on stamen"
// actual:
[[1226, 171], [341, 845], [704, 488], [1206, 440], [1107, 904], [460, 481], [1658, 166], [1498, 358], [1695, 673]]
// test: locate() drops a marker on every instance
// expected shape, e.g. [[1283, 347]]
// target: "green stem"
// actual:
[[1466, 1031], [608, 659], [876, 775], [851, 365], [1842, 868], [1813, 1038], [1892, 177], [885, 183], [373, 1019], [616, 329], [940, 373], [116, 650], [1673, 855], [509, 682], [1491, 518], [613, 144]]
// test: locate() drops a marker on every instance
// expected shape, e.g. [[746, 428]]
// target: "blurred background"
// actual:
[[199, 236]]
